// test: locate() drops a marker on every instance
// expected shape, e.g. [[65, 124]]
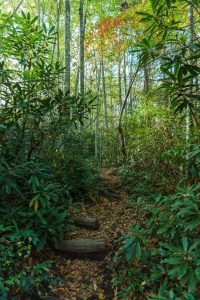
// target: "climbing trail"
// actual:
[[88, 277]]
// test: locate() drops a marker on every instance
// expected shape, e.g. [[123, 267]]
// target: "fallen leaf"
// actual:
[[95, 286], [101, 295]]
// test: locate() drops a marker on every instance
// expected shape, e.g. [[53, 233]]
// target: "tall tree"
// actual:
[[188, 116], [125, 75], [58, 29], [104, 92], [98, 79], [67, 56], [119, 83], [146, 79], [82, 50]]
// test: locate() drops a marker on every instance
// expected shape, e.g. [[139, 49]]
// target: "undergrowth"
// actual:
[[158, 257]]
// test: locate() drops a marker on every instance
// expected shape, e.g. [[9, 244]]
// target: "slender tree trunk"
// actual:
[[58, 35], [58, 30], [98, 79], [82, 50], [120, 125], [131, 91], [146, 79], [77, 82], [39, 13], [146, 89], [119, 83], [104, 92], [67, 55], [188, 116], [16, 9], [125, 75]]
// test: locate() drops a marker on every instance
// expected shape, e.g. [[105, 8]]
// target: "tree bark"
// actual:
[[58, 30], [146, 79], [98, 79], [58, 36], [104, 93], [119, 84], [67, 55], [82, 50], [125, 75], [120, 127], [39, 13], [188, 115], [82, 246], [77, 82]]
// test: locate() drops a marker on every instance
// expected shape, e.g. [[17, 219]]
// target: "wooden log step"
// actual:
[[88, 222], [82, 246]]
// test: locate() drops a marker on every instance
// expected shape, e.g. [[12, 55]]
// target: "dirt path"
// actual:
[[89, 277]]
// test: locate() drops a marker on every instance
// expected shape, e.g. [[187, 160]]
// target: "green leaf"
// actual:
[[41, 243], [197, 272], [185, 244], [137, 250], [130, 253], [44, 27], [34, 20], [128, 243], [168, 3], [169, 247], [194, 246], [174, 260]]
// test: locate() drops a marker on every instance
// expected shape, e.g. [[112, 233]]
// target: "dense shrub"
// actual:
[[159, 256], [43, 167]]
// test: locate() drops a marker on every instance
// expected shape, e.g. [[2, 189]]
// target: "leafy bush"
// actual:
[[161, 255], [20, 272], [43, 168]]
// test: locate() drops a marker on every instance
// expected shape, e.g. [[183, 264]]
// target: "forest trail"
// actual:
[[89, 277]]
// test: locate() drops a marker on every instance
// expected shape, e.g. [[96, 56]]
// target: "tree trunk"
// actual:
[[82, 50], [146, 79], [82, 246], [58, 35], [188, 116], [77, 82], [125, 76], [39, 13], [58, 30], [130, 105], [104, 93], [120, 125], [67, 57], [98, 79], [119, 84]]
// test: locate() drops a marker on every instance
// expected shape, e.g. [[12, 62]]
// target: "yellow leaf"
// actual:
[[101, 295], [36, 205]]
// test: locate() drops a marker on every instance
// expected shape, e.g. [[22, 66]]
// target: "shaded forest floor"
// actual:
[[90, 277]]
